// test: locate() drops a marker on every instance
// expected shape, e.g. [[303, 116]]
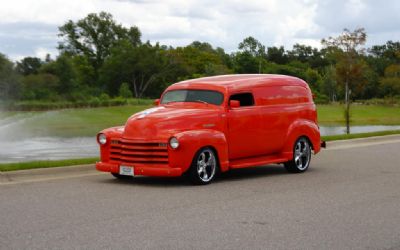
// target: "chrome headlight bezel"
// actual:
[[174, 143], [101, 139]]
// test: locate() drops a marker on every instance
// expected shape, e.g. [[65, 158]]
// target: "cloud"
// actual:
[[376, 17], [26, 26]]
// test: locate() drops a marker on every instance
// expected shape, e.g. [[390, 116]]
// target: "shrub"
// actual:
[[104, 99], [124, 91], [94, 102], [321, 98]]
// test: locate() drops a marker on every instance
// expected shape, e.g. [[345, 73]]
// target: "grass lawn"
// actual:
[[360, 115], [68, 122], [45, 164]]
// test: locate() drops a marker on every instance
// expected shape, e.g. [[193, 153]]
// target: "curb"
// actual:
[[359, 142]]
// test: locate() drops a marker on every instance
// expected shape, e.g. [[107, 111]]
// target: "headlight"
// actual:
[[174, 143], [102, 139]]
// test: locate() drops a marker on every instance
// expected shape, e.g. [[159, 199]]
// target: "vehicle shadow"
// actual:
[[251, 173], [231, 175]]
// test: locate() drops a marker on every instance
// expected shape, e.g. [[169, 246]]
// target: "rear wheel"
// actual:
[[301, 156], [204, 167]]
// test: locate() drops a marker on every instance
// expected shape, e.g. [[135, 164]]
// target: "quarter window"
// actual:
[[245, 99]]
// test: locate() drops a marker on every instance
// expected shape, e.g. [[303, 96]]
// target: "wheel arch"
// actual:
[[194, 140], [302, 128]]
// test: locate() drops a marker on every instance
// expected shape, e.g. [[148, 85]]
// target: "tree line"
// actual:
[[100, 58]]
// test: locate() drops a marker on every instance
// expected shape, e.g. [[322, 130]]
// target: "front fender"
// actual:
[[191, 141], [302, 128], [111, 133]]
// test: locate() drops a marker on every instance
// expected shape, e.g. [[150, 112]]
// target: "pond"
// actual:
[[22, 141], [340, 130]]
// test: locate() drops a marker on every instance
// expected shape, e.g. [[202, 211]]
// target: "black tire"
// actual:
[[301, 156], [121, 177], [204, 167]]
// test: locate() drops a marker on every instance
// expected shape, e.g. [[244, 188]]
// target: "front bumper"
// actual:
[[141, 169]]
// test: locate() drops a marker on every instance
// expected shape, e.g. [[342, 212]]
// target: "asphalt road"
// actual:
[[348, 199]]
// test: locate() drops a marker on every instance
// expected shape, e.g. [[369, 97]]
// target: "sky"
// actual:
[[30, 27]]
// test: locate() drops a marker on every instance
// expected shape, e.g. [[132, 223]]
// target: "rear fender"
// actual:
[[191, 141], [302, 128]]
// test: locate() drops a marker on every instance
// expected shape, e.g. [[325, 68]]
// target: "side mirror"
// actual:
[[156, 102], [234, 103]]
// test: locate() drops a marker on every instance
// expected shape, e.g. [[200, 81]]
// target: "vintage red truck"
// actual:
[[208, 125]]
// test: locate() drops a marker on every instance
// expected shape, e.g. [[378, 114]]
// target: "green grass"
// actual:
[[359, 135], [43, 105], [46, 164], [70, 122], [360, 115]]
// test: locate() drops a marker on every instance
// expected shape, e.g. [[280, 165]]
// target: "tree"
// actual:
[[329, 84], [42, 86], [94, 36], [140, 66], [314, 79], [277, 55], [250, 49], [245, 63], [382, 56], [29, 65], [390, 83], [301, 52], [124, 90], [64, 69], [306, 54], [9, 80], [346, 48]]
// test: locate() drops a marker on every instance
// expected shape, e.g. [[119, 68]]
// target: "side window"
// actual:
[[245, 99]]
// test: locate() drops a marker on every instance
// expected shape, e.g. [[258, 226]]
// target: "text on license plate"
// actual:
[[126, 170]]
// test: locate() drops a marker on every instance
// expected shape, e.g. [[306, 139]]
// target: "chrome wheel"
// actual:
[[206, 165], [301, 156]]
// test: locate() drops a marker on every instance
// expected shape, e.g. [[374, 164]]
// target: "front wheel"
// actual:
[[301, 156], [204, 167]]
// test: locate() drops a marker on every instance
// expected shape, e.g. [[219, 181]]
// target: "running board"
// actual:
[[257, 161]]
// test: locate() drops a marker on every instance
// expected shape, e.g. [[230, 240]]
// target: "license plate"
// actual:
[[126, 170]]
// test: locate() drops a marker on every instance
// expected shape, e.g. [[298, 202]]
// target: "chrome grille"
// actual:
[[128, 151]]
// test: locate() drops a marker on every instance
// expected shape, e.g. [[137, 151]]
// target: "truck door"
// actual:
[[244, 128]]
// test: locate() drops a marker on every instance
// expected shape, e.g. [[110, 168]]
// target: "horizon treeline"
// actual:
[[100, 58]]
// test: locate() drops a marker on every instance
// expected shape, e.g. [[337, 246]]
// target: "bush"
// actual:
[[139, 101], [119, 101], [387, 101], [94, 102], [321, 98], [104, 99], [124, 91]]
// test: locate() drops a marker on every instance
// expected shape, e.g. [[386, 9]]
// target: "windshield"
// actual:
[[193, 95]]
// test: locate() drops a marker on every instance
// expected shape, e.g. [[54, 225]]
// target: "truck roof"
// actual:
[[238, 81]]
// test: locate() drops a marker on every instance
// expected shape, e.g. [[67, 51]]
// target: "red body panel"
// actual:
[[245, 136]]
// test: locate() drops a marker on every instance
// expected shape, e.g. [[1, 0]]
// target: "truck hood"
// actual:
[[162, 122]]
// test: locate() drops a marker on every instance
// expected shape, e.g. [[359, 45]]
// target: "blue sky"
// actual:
[[29, 28]]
